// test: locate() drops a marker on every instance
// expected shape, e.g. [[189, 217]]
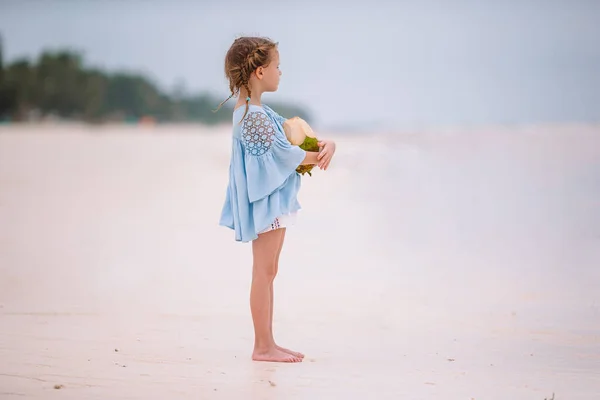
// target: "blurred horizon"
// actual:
[[405, 65]]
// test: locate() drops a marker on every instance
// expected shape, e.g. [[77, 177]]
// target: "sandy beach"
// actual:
[[443, 264]]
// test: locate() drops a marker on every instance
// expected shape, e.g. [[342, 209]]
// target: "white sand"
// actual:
[[437, 265]]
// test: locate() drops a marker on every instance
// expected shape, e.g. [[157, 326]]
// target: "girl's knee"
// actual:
[[265, 270]]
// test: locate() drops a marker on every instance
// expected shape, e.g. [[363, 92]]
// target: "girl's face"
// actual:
[[269, 75]]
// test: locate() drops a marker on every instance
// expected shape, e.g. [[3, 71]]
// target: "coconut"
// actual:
[[299, 133]]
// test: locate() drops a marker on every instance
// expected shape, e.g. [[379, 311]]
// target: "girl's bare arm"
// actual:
[[311, 158]]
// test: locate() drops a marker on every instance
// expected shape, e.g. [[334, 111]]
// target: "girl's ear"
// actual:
[[259, 72]]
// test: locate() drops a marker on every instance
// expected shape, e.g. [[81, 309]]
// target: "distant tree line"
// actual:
[[58, 85]]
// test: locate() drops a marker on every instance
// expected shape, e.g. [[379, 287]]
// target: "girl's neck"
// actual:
[[254, 98]]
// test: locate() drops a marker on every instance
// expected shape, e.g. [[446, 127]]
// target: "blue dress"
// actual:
[[263, 182]]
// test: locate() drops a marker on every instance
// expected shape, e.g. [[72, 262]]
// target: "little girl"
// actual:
[[261, 197]]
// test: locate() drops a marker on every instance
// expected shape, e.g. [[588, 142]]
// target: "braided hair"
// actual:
[[244, 56]]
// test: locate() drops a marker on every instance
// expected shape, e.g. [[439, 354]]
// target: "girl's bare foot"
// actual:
[[274, 355], [294, 353]]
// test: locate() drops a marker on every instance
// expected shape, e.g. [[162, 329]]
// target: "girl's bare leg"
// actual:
[[294, 353], [264, 251]]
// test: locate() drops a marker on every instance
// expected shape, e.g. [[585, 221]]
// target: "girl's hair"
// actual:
[[244, 56]]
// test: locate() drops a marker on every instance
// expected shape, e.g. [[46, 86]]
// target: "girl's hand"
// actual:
[[326, 153]]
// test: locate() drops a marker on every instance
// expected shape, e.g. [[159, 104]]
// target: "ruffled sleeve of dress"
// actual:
[[269, 157], [278, 118]]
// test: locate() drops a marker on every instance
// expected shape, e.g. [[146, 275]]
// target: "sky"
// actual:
[[368, 64]]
